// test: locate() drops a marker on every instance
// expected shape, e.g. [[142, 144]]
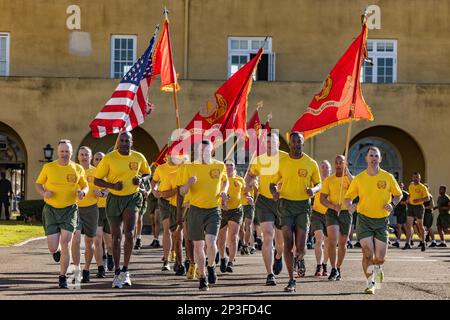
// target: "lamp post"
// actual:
[[48, 153]]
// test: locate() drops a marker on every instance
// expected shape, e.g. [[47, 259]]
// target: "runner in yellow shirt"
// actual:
[[378, 194], [300, 180], [339, 220], [124, 170], [61, 183], [207, 183], [319, 225], [232, 216], [418, 194], [265, 167], [246, 230]]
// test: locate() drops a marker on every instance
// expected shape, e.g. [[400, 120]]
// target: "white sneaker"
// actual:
[[125, 276], [117, 282], [379, 276], [77, 276], [370, 287]]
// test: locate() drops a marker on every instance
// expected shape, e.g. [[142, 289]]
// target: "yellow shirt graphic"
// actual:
[[90, 199], [266, 167], [332, 187], [416, 192], [205, 193], [295, 176], [116, 167], [235, 191], [374, 193], [166, 175], [63, 182], [317, 206]]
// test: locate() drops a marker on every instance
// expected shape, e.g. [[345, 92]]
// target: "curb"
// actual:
[[27, 241]]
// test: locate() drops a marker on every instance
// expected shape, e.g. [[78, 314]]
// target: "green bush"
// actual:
[[31, 209]]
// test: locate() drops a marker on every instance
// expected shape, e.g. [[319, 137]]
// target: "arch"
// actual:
[[143, 142], [13, 161], [400, 150]]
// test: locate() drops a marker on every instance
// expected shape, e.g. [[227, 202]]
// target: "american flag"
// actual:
[[128, 106]]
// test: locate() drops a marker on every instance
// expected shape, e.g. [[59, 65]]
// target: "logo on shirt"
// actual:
[[214, 173], [237, 184], [133, 165], [381, 184], [302, 173], [418, 191], [71, 178], [90, 179]]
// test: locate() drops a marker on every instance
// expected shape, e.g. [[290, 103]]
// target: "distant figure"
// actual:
[[5, 194]]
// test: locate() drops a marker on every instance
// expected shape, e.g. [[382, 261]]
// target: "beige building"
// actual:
[[61, 60]]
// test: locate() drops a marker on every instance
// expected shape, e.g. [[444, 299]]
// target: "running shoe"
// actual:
[[101, 272], [125, 276], [318, 272], [203, 286], [230, 267], [291, 286], [117, 282], [370, 288], [212, 276], [396, 244], [432, 245], [181, 271], [191, 273], [333, 274], [442, 245], [325, 271], [86, 277], [138, 244], [57, 256], [252, 250], [63, 282], [339, 276], [407, 246], [423, 247], [172, 256], [357, 245], [270, 281], [166, 266], [223, 265]]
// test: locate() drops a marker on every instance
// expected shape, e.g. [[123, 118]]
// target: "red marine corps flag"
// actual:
[[340, 99]]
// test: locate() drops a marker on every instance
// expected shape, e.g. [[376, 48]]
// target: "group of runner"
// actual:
[[203, 203]]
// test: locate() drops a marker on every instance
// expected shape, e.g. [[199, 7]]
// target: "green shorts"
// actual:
[[354, 218], [202, 221], [143, 207], [56, 219], [235, 215], [103, 221], [88, 220], [416, 211], [168, 211], [344, 221], [294, 213], [428, 219], [249, 212], [116, 205], [266, 210], [372, 227], [443, 221], [152, 204], [401, 215], [318, 222]]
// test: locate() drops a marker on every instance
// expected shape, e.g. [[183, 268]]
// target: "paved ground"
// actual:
[[28, 272]]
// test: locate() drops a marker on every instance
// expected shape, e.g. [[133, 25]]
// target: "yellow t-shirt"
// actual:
[[63, 182], [205, 193], [116, 167], [332, 188], [235, 192], [244, 200], [166, 175], [318, 206], [296, 175], [374, 193], [416, 192], [266, 167], [90, 198]]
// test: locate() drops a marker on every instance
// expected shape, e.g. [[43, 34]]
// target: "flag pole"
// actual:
[[352, 108], [175, 100]]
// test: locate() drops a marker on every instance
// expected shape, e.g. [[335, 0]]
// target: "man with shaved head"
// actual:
[[124, 170]]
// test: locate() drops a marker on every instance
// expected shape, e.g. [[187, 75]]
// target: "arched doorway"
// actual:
[[142, 142], [13, 160], [401, 154]]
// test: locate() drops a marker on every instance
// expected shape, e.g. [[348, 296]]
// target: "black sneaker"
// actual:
[[396, 244], [309, 245], [291, 286], [101, 272], [357, 245], [349, 245], [157, 244], [277, 265], [442, 245], [411, 243], [230, 267], [63, 282], [339, 276], [152, 245], [57, 256], [203, 284], [301, 268], [86, 277], [333, 275], [166, 266], [407, 246], [420, 244], [427, 238], [432, 245], [252, 250], [217, 258], [423, 247], [110, 263], [186, 264], [223, 265], [270, 281], [138, 244], [212, 276], [181, 271], [258, 244]]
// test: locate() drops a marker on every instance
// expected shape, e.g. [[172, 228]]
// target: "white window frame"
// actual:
[[249, 50], [374, 55], [7, 35], [112, 47]]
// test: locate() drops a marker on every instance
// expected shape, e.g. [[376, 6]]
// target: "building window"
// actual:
[[4, 54], [123, 54], [241, 50], [383, 54]]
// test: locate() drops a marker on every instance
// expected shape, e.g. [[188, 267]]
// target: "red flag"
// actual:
[[161, 157], [163, 61], [341, 99], [229, 111]]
